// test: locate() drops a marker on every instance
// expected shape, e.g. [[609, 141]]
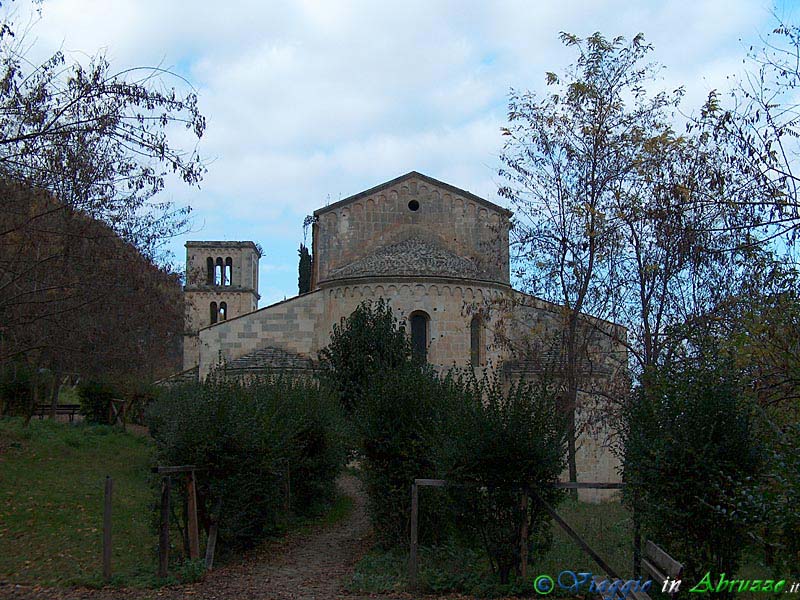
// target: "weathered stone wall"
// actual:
[[530, 329], [244, 257], [594, 459], [447, 304], [467, 227], [240, 294], [291, 325], [197, 306], [302, 325]]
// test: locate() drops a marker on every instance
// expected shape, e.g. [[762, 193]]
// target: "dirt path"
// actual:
[[307, 566]]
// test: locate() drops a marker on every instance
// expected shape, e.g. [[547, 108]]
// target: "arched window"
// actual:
[[419, 334], [214, 312], [210, 271], [219, 272], [476, 341], [228, 271], [223, 311]]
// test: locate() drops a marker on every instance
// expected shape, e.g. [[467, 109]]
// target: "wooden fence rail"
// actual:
[[107, 528], [191, 517], [413, 550]]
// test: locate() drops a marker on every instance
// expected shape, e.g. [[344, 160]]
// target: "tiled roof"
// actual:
[[420, 176], [187, 376], [267, 360]]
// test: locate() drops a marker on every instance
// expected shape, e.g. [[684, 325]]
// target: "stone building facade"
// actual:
[[440, 255], [221, 283]]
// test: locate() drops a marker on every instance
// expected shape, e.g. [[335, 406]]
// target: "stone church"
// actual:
[[439, 255]]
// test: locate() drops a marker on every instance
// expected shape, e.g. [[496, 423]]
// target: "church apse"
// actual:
[[438, 254], [412, 226]]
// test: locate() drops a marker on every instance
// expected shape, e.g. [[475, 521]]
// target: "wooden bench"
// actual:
[[42, 410], [656, 565], [659, 565]]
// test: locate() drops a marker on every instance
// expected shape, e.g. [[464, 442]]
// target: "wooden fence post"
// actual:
[[107, 529], [163, 538], [523, 537], [191, 513], [637, 546], [412, 559], [288, 501], [212, 535]]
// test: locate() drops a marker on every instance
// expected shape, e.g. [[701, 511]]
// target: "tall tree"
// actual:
[[763, 129], [304, 268], [100, 309], [568, 155], [80, 144], [683, 236]]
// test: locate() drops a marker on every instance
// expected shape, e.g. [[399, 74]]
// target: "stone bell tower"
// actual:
[[221, 283]]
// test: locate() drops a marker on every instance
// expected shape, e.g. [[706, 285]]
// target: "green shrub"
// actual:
[[269, 448], [191, 571], [504, 440], [139, 398], [689, 442], [318, 450], [95, 399], [412, 423], [369, 342], [766, 503], [17, 382], [399, 421]]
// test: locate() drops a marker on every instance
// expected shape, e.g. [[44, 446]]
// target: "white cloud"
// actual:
[[312, 100]]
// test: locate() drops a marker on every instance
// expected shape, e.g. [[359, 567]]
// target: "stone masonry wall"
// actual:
[[243, 255], [240, 294], [446, 304], [459, 224], [290, 325], [302, 326], [197, 306], [532, 326]]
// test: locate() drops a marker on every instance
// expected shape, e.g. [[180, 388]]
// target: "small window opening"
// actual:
[[476, 342], [214, 312], [223, 311], [219, 272], [413, 205], [229, 271], [419, 335], [210, 271]]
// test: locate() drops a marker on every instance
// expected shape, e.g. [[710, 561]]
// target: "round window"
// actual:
[[413, 205]]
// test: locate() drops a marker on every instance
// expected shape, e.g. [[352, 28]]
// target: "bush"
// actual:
[[261, 443], [370, 341], [766, 503], [504, 440], [318, 451], [399, 421], [688, 442], [17, 382], [138, 399], [95, 399], [411, 423]]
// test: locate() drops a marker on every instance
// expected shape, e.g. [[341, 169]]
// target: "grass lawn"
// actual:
[[606, 527], [51, 503], [52, 478]]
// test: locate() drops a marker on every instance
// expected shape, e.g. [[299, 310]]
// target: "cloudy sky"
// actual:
[[310, 102]]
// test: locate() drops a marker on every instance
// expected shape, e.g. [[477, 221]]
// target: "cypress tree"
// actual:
[[304, 277]]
